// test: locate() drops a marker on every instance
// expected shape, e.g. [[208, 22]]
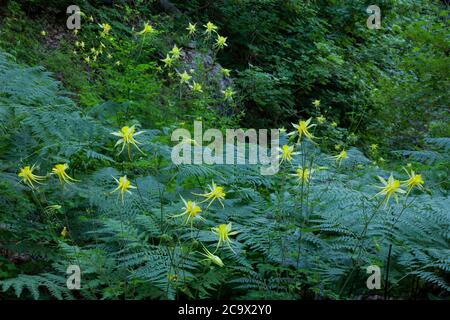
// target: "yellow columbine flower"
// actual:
[[303, 129], [321, 119], [228, 93], [316, 103], [43, 33], [127, 135], [302, 175], [389, 188], [82, 44], [168, 60], [52, 208], [147, 29], [191, 211], [415, 180], [216, 193], [109, 56], [60, 170], [64, 232], [334, 124], [339, 157], [223, 231], [123, 184], [185, 77], [211, 257], [106, 28], [286, 153], [87, 59], [26, 173], [221, 42], [175, 52], [191, 28], [225, 72], [210, 28], [196, 87]]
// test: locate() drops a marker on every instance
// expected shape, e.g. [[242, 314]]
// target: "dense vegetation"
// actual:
[[86, 176]]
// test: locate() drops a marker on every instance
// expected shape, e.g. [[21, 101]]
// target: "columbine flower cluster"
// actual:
[[192, 211], [393, 187], [27, 175], [287, 153], [390, 188], [90, 55], [185, 77], [173, 55]]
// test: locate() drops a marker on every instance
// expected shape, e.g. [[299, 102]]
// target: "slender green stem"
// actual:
[[386, 281]]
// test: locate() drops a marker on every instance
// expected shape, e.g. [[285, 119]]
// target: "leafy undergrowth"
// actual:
[[139, 226]]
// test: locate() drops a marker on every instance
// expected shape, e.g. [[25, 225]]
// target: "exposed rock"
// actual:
[[169, 7], [192, 58]]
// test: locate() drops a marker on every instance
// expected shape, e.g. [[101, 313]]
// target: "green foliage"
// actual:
[[296, 238], [298, 52], [411, 100]]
